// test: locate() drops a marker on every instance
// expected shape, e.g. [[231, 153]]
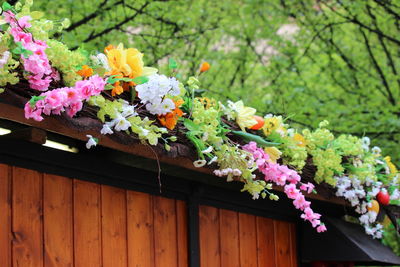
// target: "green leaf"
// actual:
[[172, 64], [2, 90], [108, 87], [6, 6], [191, 126], [141, 80], [34, 99], [252, 137]]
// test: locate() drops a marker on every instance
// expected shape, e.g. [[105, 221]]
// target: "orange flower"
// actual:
[[170, 119], [205, 66], [108, 48], [85, 72], [117, 90]]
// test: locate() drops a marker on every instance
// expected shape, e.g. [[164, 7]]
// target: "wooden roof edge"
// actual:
[[55, 125]]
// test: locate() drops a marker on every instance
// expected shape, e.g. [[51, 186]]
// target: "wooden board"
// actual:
[[27, 218], [87, 227], [248, 240], [165, 234], [265, 242], [114, 240], [57, 219], [282, 244], [229, 231], [140, 229], [5, 211], [210, 252], [182, 233]]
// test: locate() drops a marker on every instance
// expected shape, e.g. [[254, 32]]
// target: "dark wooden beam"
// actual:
[[33, 135]]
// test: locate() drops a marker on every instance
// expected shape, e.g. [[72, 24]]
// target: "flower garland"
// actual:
[[129, 97]]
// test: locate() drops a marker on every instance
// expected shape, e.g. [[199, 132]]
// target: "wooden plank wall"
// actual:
[[229, 238], [48, 220]]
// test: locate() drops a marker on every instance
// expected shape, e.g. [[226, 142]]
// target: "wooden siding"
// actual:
[[48, 220], [229, 238]]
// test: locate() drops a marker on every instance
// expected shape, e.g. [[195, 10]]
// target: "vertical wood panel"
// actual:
[[87, 228], [27, 220], [210, 254], [114, 245], [5, 217], [248, 240], [293, 244], [165, 235], [265, 242], [182, 232], [282, 243], [57, 216], [229, 230], [140, 230]]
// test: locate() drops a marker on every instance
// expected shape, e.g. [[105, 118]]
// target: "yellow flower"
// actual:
[[273, 153], [129, 62], [245, 115], [392, 167], [271, 124], [300, 140]]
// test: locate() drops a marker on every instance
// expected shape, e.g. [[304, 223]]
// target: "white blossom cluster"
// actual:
[[154, 93], [354, 191], [120, 123]]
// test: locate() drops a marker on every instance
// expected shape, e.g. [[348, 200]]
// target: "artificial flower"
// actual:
[[85, 72], [205, 66], [170, 119], [91, 142], [300, 140], [273, 153], [244, 115]]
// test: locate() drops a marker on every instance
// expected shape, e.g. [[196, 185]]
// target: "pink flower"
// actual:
[[32, 113], [74, 108], [93, 86], [301, 203], [21, 36], [73, 95], [321, 228], [315, 223], [36, 82], [9, 17], [291, 191], [24, 22]]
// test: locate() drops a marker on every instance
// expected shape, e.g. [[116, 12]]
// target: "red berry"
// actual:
[[383, 198]]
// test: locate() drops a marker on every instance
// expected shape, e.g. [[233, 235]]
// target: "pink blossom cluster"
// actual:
[[37, 64], [68, 99], [290, 179]]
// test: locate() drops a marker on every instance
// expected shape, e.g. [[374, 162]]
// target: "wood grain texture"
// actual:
[[165, 234], [265, 242], [282, 244], [182, 233], [140, 229], [5, 211], [27, 220], [248, 240], [210, 252], [87, 227], [229, 231], [114, 243], [293, 244], [58, 224]]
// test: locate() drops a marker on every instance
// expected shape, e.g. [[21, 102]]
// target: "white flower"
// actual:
[[91, 142], [237, 172], [364, 219], [106, 129], [207, 150], [214, 159], [376, 150], [4, 59], [101, 59], [256, 195], [175, 89], [199, 163], [121, 123], [395, 194], [365, 143]]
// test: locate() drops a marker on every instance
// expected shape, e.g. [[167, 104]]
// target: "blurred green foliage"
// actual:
[[310, 60]]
